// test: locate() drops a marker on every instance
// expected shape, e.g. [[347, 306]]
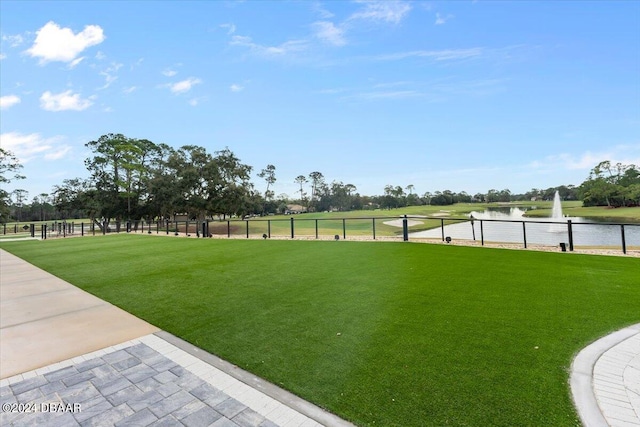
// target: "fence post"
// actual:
[[524, 234], [82, 229], [624, 242], [442, 227], [405, 229], [292, 233], [32, 230], [43, 232], [473, 229], [374, 228], [269, 228], [316, 229], [570, 229], [344, 228], [228, 228], [247, 221], [481, 234]]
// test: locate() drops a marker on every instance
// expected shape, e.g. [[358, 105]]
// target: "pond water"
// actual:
[[506, 225]]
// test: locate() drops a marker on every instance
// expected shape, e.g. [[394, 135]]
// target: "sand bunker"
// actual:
[[398, 222]]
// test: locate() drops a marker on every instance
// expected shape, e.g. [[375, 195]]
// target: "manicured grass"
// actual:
[[383, 334], [328, 225], [601, 212]]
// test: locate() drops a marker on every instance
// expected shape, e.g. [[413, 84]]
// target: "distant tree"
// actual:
[[317, 180], [41, 206], [121, 170], [269, 175], [479, 198], [608, 185], [427, 197], [463, 197], [441, 198], [301, 180], [20, 195], [75, 197], [9, 168], [504, 195], [492, 196]]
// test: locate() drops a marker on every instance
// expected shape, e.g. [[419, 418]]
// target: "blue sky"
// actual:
[[466, 95]]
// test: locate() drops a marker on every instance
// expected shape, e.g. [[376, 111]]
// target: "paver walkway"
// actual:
[[605, 380], [71, 359]]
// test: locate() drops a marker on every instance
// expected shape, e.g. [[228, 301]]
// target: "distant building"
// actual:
[[295, 209]]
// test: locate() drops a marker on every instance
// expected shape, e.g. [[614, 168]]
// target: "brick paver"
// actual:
[[605, 380], [616, 383], [132, 385]]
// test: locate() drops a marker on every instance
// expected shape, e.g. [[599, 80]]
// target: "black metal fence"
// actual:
[[566, 235]]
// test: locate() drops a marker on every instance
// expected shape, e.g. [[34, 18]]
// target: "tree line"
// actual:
[[132, 179]]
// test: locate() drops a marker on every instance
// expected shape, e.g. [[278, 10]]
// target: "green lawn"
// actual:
[[382, 334], [602, 212]]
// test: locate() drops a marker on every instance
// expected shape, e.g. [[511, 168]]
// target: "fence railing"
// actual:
[[566, 234]]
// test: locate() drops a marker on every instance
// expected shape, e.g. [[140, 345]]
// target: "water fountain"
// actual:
[[556, 215], [556, 212]]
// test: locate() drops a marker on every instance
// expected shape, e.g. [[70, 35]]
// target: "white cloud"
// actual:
[[388, 11], [184, 85], [625, 154], [281, 50], [130, 89], [329, 33], [386, 94], [109, 74], [236, 88], [27, 147], [436, 55], [2, 56], [64, 101], [60, 44], [58, 153], [229, 27], [320, 10], [440, 19], [9, 101], [137, 64], [14, 41], [169, 73], [100, 55], [76, 62]]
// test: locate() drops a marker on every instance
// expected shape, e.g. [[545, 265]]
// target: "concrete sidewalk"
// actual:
[[68, 358]]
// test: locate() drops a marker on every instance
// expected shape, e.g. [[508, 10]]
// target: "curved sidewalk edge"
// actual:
[[605, 380]]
